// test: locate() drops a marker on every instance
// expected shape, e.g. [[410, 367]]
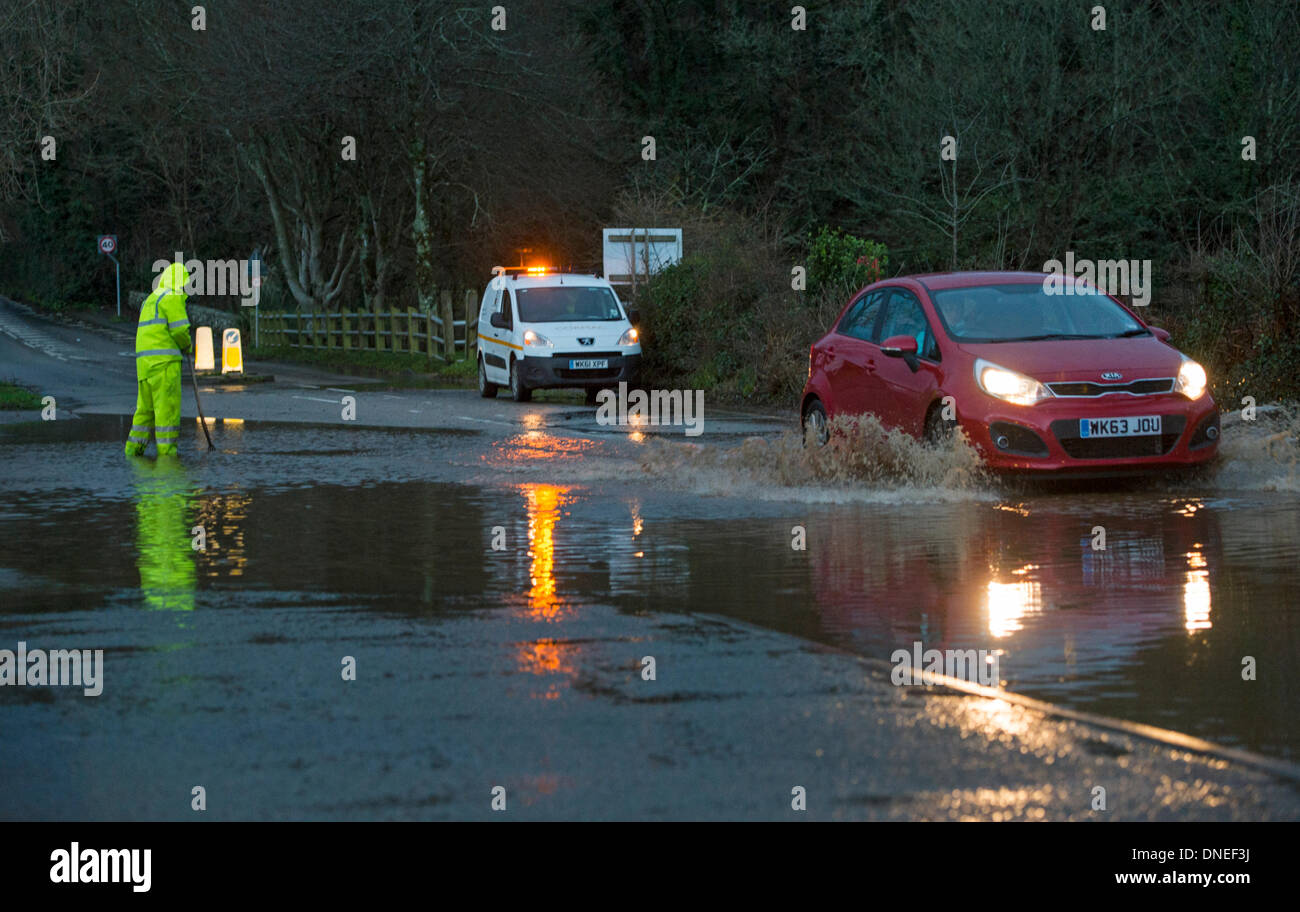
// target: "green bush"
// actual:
[[842, 261], [726, 319]]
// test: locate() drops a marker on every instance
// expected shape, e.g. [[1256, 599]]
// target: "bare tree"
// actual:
[[38, 93]]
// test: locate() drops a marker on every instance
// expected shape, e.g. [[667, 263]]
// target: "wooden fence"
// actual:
[[437, 335]]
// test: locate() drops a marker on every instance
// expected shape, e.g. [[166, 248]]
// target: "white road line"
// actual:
[[314, 399], [486, 421]]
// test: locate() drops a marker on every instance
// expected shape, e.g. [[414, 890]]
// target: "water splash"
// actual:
[[862, 461], [1260, 455]]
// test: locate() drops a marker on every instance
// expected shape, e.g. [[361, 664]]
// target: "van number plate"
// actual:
[[589, 364], [1143, 426]]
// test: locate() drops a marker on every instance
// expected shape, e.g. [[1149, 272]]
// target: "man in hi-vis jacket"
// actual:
[[162, 334]]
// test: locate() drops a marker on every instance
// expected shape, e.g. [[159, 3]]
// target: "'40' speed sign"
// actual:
[[107, 243]]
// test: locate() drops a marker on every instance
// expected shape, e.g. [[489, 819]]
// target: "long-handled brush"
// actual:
[[198, 404]]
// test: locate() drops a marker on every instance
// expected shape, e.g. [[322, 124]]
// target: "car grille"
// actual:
[[1136, 388], [1066, 432], [564, 373]]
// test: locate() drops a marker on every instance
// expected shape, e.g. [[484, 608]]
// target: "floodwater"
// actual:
[[1197, 579]]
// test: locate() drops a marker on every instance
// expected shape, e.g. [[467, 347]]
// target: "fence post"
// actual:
[[448, 327], [471, 322], [380, 344], [343, 320], [412, 346]]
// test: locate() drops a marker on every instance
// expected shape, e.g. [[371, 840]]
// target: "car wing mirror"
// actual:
[[1161, 334], [901, 347]]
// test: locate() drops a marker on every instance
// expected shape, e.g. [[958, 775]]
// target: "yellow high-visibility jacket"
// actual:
[[164, 328]]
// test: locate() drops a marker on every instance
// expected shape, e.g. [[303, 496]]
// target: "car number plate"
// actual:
[[1141, 426], [589, 364]]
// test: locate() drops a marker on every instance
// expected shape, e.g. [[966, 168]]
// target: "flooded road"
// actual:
[[543, 530], [618, 623]]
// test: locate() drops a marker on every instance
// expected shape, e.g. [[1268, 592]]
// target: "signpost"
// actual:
[[255, 273], [107, 246], [632, 253]]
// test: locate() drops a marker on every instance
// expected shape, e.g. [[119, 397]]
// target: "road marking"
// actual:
[[486, 421], [35, 339], [314, 399]]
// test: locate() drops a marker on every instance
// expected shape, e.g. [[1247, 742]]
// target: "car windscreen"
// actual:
[[567, 304], [1023, 312]]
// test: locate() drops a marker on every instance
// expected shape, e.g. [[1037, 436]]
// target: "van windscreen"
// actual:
[[567, 304]]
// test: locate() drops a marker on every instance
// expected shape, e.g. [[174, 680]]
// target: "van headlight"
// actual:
[[1008, 385], [1191, 380], [629, 337], [536, 339]]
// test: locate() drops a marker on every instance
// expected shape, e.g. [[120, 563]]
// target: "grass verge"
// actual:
[[395, 369], [16, 397]]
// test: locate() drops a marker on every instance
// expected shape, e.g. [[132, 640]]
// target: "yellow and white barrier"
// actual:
[[203, 349], [232, 354]]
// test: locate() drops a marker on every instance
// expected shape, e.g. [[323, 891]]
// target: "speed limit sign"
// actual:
[[107, 243]]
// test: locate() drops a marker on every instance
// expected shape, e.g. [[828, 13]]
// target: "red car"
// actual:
[[1053, 380]]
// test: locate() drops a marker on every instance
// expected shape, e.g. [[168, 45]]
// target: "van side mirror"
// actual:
[[633, 315], [498, 320]]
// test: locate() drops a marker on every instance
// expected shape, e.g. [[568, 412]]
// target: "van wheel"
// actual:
[[518, 389], [815, 425], [486, 388], [938, 430]]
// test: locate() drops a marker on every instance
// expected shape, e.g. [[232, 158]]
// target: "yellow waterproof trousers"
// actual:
[[157, 408]]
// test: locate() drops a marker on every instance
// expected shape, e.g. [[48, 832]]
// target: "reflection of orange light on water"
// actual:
[[539, 445], [636, 437], [225, 553], [1010, 603], [533, 421], [544, 503], [637, 522], [544, 657], [1196, 594]]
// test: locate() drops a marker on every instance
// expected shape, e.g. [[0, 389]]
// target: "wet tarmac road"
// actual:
[[521, 665]]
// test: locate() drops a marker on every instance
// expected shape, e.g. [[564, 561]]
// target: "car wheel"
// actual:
[[486, 388], [518, 389], [815, 424], [938, 430]]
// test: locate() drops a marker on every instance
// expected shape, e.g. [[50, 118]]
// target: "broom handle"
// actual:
[[194, 380]]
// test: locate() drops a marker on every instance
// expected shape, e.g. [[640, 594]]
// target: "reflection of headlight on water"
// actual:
[[1196, 594], [1010, 603]]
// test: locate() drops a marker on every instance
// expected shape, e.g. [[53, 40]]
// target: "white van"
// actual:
[[546, 330]]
